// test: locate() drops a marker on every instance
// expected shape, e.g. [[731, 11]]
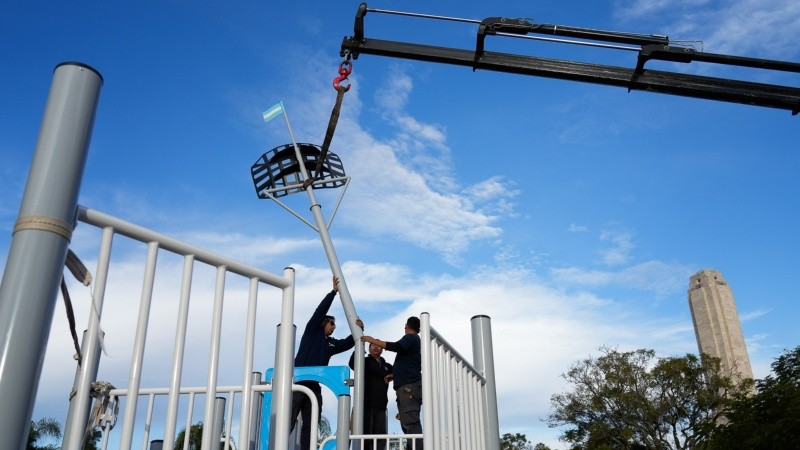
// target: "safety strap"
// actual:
[[345, 68], [79, 271]]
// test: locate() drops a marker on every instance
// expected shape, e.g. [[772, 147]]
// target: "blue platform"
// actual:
[[333, 377]]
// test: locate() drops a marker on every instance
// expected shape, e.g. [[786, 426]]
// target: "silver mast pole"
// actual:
[[41, 236], [344, 293]]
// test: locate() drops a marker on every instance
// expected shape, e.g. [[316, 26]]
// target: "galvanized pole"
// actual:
[[41, 236], [483, 354], [281, 408], [344, 293]]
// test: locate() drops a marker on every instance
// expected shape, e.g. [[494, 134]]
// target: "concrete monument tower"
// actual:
[[716, 322]]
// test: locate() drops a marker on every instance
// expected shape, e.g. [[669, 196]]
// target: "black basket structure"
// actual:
[[277, 172]]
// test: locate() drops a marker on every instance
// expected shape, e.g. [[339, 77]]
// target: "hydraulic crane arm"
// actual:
[[649, 47]]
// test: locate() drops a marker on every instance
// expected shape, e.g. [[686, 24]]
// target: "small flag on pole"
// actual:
[[273, 112]]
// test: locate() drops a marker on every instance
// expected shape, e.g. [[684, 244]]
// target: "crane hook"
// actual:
[[345, 68]]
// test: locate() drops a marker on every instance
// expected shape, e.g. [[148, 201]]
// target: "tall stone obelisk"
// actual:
[[716, 322]]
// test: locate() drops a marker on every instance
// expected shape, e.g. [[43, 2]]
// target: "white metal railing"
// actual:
[[225, 434], [459, 400], [454, 396], [458, 396], [388, 441], [157, 243]]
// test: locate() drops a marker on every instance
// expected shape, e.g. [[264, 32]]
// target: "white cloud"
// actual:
[[758, 28], [575, 228], [750, 315], [619, 253], [655, 276]]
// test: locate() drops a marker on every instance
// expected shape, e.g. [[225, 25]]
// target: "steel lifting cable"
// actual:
[[345, 68]]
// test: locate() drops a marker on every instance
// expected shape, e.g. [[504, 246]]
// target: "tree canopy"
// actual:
[[516, 441], [40, 431], [770, 419], [629, 400]]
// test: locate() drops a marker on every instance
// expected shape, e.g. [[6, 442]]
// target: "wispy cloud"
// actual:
[[761, 28], [575, 228], [655, 276], [620, 249], [750, 315]]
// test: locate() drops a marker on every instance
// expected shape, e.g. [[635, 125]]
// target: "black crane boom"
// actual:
[[652, 47]]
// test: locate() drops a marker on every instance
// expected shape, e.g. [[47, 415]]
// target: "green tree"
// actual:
[[93, 439], [540, 446], [195, 437], [628, 400], [769, 419], [41, 430], [516, 441]]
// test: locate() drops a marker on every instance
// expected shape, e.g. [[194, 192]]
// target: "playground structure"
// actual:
[[459, 396]]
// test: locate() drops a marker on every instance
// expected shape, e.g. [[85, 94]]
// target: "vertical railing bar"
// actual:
[[229, 417], [81, 401], [482, 430], [138, 347], [446, 399], [148, 421], [427, 385], [188, 426], [247, 376], [284, 369], [440, 405], [480, 410], [213, 359], [451, 398], [462, 419], [469, 408], [179, 348]]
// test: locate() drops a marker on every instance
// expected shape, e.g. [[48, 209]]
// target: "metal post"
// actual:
[[79, 405], [218, 423], [344, 293], [281, 407], [182, 323], [213, 360], [246, 424], [41, 235], [483, 354], [75, 434], [342, 426], [426, 350], [254, 438]]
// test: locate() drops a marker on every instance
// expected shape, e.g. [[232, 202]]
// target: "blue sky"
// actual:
[[572, 214]]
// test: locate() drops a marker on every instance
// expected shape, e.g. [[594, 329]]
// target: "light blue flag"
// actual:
[[273, 112]]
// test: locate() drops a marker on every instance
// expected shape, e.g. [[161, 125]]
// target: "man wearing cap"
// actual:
[[407, 373], [316, 348]]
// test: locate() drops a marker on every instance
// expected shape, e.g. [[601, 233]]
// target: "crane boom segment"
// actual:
[[651, 47]]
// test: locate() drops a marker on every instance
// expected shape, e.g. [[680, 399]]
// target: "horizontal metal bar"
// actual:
[[424, 16], [720, 89], [102, 220]]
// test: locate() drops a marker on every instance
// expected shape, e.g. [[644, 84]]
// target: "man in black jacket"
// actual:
[[316, 348], [407, 374], [377, 375]]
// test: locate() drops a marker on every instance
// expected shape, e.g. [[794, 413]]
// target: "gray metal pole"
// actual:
[[254, 436], [79, 405], [35, 263], [344, 293], [281, 408], [218, 423], [75, 429], [342, 426], [483, 354]]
